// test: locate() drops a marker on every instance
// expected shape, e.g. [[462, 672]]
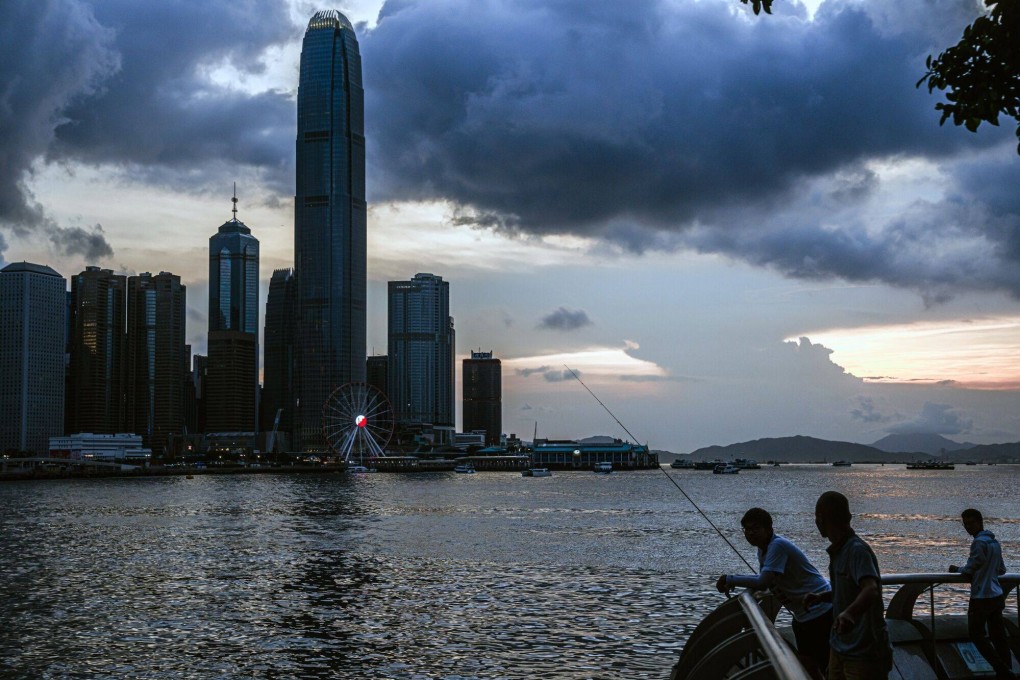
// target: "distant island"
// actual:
[[892, 449]]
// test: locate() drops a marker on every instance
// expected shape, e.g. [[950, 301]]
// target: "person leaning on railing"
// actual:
[[987, 599], [787, 572]]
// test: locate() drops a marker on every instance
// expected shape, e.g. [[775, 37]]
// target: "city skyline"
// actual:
[[673, 243]]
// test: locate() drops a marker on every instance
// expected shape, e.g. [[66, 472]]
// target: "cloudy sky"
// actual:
[[730, 226]]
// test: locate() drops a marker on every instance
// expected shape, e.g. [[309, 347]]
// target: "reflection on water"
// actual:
[[425, 576]]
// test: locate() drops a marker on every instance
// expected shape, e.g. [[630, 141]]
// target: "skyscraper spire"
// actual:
[[234, 201]]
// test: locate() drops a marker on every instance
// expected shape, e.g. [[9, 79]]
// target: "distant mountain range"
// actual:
[[801, 449], [932, 444]]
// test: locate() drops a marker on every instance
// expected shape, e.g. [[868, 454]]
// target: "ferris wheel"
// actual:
[[357, 421]]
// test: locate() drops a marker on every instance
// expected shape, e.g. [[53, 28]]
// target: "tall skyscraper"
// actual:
[[199, 371], [157, 358], [421, 351], [375, 372], [482, 378], [329, 221], [278, 353], [96, 400], [231, 389], [33, 335]]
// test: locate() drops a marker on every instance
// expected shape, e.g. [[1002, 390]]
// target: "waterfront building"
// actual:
[[96, 400], [376, 371], [231, 389], [157, 360], [421, 344], [278, 353], [33, 337], [466, 440], [584, 454], [482, 390], [108, 448], [329, 221]]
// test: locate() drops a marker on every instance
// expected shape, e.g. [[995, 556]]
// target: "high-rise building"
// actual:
[[375, 372], [231, 389], [482, 378], [329, 221], [157, 359], [199, 371], [33, 335], [96, 400], [421, 351], [278, 353]]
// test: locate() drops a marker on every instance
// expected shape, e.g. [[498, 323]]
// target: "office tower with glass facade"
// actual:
[[96, 389], [375, 371], [482, 390], [421, 349], [157, 358], [278, 353], [231, 389], [329, 221], [199, 371], [33, 336]]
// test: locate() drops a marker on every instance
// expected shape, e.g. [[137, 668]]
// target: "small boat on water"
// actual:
[[536, 472], [725, 469], [931, 465], [603, 467], [841, 463], [465, 469]]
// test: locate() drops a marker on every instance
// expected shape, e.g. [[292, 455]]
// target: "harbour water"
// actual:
[[437, 575]]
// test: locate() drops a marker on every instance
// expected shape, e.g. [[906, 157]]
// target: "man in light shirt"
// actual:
[[987, 600], [788, 573]]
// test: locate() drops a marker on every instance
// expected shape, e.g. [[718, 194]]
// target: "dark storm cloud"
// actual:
[[650, 125], [660, 125], [563, 319], [162, 113], [51, 54], [126, 83], [91, 245]]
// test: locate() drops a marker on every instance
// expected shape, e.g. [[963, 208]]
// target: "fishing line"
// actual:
[[668, 476]]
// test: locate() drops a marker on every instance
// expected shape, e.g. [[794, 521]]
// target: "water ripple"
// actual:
[[436, 576]]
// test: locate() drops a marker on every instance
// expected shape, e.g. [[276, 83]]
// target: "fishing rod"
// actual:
[[668, 476]]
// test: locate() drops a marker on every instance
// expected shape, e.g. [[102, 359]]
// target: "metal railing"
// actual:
[[738, 640], [912, 586]]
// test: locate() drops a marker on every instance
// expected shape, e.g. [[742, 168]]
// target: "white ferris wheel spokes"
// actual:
[[357, 422]]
